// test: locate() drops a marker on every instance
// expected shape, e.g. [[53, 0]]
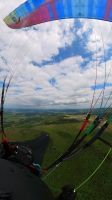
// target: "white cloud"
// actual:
[[73, 82]]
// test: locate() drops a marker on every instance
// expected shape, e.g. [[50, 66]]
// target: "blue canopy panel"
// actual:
[[34, 12]]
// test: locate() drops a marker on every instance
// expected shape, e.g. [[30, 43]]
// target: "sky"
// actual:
[[55, 65]]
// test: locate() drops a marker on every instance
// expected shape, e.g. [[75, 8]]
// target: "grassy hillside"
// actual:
[[62, 129]]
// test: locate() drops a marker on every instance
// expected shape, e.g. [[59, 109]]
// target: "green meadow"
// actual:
[[62, 129]]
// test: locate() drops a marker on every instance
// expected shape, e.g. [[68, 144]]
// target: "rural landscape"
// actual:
[[61, 127], [56, 100]]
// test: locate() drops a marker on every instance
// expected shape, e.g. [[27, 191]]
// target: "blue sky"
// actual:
[[54, 65]]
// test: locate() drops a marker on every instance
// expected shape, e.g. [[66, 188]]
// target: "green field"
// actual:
[[62, 129]]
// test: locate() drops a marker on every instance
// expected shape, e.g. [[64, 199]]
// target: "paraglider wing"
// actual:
[[34, 12]]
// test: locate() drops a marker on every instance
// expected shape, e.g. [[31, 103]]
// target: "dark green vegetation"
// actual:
[[62, 128]]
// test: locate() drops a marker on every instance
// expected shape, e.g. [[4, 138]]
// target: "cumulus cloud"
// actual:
[[64, 83]]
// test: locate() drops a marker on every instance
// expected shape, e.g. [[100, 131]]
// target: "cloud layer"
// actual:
[[54, 65]]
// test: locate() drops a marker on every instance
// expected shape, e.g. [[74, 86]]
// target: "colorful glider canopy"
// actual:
[[38, 11]]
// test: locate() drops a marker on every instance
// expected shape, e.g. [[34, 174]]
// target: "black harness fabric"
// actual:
[[19, 182]]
